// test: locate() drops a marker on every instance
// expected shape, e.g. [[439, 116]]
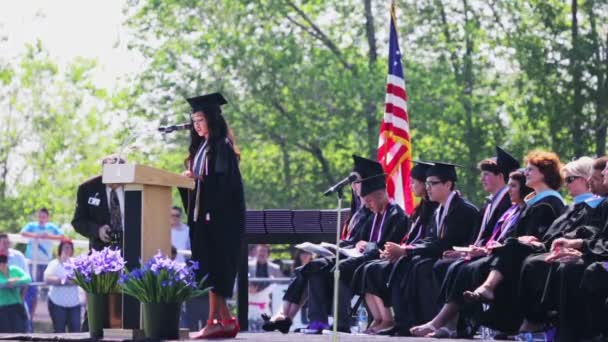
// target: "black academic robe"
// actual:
[[394, 228], [495, 212], [360, 232], [372, 277], [92, 211], [217, 233], [504, 313], [413, 291], [535, 290]]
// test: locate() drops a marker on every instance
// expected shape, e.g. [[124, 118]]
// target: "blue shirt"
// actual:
[[45, 247]]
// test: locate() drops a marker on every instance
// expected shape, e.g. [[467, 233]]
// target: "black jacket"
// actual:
[[90, 215], [461, 222]]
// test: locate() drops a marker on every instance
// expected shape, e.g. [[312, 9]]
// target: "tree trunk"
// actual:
[[576, 118], [371, 107]]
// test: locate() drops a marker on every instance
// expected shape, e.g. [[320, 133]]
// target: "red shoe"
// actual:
[[204, 335], [231, 333]]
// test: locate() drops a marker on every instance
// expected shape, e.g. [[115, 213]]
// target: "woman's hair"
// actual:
[[582, 167], [520, 178], [218, 130], [63, 243], [549, 165]]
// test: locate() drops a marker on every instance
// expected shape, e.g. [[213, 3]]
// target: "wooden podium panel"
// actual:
[[147, 227]]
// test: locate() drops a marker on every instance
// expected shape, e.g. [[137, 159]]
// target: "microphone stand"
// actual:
[[340, 195]]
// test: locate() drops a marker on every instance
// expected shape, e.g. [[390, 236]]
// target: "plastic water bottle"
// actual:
[[361, 319], [487, 334]]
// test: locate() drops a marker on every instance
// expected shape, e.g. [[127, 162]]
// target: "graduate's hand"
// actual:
[[494, 244], [527, 239], [188, 173], [394, 251], [104, 233], [566, 255], [452, 254], [476, 252], [566, 243], [360, 246]]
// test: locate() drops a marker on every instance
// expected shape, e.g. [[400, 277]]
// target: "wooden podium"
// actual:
[[147, 204]]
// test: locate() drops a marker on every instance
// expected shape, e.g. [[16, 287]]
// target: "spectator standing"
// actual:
[[13, 317], [39, 251], [180, 233], [63, 303]]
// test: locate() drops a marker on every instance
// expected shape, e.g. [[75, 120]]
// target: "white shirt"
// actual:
[[61, 295], [16, 258], [180, 239], [120, 193]]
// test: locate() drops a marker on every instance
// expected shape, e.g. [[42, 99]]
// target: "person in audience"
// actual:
[[261, 267], [302, 258], [389, 224], [576, 287], [180, 233], [63, 302], [355, 232], [13, 318], [577, 221], [370, 281], [16, 258], [455, 223], [543, 206], [39, 251]]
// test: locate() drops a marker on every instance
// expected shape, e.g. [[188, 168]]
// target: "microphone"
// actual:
[[173, 128], [351, 178]]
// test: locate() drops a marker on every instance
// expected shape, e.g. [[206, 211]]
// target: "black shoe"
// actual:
[[282, 325]]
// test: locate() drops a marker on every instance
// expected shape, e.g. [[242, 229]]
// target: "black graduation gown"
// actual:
[[413, 290], [217, 234], [441, 266], [470, 275], [576, 222], [395, 226], [89, 216], [297, 287], [581, 289], [372, 277]]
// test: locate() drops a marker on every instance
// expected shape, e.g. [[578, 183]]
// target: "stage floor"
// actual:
[[266, 337]]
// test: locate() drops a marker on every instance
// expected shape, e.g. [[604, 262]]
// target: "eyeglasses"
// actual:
[[176, 215], [431, 183], [571, 179]]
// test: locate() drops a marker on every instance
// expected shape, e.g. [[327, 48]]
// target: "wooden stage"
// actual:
[[266, 337]]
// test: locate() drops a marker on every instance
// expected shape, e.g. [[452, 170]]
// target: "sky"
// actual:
[[70, 29]]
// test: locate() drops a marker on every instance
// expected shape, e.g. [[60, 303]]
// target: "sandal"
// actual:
[[443, 332]]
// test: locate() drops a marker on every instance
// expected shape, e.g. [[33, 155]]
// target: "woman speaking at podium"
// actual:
[[216, 209]]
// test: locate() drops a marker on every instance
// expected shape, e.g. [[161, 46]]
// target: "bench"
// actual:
[[281, 226]]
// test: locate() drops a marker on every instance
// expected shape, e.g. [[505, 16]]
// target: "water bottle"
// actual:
[[487, 334], [361, 319]]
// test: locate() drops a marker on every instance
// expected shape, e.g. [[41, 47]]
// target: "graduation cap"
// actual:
[[445, 171], [506, 162], [366, 167], [371, 173], [419, 170], [200, 103]]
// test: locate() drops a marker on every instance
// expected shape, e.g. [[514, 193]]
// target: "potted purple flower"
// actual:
[[98, 274], [162, 285]]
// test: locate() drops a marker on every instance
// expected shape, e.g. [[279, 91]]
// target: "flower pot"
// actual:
[[98, 314], [161, 320]]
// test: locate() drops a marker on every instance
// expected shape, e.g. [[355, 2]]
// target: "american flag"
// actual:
[[394, 148]]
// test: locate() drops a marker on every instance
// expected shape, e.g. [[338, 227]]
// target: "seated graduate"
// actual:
[[375, 290], [389, 223], [577, 221], [494, 177], [577, 287], [502, 266], [454, 224], [354, 232]]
